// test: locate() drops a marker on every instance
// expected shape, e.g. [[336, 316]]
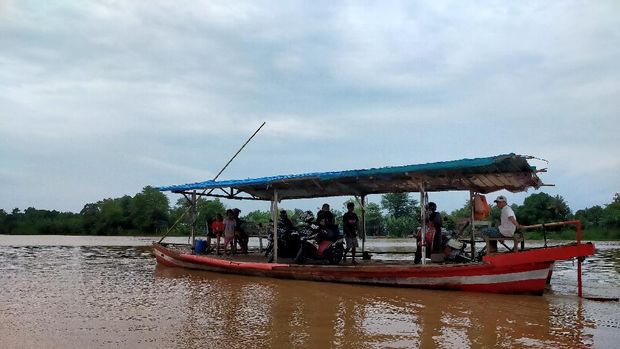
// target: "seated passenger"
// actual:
[[285, 222], [327, 214], [327, 232], [508, 224]]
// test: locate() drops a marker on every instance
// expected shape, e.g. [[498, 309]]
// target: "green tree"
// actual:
[[258, 216], [611, 214], [590, 217], [403, 214], [399, 204], [90, 216], [542, 208], [401, 226], [207, 210], [3, 222], [148, 208], [374, 220]]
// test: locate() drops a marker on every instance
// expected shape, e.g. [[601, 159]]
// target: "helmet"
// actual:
[[307, 216]]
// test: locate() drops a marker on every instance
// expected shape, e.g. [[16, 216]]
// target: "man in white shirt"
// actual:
[[508, 224]]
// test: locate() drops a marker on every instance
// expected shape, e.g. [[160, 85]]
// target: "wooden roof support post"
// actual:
[[274, 205], [473, 227], [193, 218], [423, 223], [363, 206]]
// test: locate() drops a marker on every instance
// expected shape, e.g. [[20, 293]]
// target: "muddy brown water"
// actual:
[[85, 292]]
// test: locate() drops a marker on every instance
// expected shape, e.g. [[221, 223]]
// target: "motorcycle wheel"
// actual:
[[337, 254], [301, 256], [269, 250]]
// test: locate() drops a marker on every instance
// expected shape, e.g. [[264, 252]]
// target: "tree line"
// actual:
[[396, 215]]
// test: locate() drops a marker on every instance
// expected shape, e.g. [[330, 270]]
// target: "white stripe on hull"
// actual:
[[411, 281], [466, 280]]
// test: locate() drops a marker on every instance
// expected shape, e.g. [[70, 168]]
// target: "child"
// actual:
[[217, 227], [229, 231], [349, 225]]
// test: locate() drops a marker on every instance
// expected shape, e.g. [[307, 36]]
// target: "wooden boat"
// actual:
[[520, 272]]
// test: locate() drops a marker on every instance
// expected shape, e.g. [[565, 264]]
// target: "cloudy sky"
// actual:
[[101, 98]]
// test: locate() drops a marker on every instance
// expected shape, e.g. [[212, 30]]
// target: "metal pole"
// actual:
[[275, 226], [423, 224], [363, 222], [473, 228]]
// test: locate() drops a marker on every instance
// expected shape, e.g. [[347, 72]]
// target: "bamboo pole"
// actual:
[[214, 178]]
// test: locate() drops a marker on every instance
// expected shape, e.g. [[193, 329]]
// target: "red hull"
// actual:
[[523, 272]]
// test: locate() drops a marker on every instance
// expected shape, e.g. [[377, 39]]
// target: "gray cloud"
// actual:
[[99, 99]]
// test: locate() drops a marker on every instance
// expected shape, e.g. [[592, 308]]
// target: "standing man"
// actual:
[[508, 224], [349, 225]]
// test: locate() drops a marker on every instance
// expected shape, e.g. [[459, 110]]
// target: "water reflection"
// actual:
[[116, 296], [284, 313]]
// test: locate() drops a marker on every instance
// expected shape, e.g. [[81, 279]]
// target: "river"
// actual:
[[85, 292]]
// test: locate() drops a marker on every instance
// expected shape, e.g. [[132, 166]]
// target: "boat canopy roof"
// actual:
[[483, 175]]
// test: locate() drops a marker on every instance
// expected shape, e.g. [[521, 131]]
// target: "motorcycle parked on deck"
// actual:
[[288, 244], [320, 243]]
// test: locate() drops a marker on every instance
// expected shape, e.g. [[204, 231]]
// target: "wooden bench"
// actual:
[[516, 238]]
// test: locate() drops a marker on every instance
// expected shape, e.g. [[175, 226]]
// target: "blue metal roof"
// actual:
[[508, 171]]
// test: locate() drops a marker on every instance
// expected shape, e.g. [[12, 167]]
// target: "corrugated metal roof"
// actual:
[[484, 175]]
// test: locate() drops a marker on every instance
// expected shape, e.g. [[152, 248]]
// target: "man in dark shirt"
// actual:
[[434, 218], [327, 214], [349, 225]]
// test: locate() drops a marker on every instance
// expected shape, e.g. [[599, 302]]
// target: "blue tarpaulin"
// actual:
[[483, 175]]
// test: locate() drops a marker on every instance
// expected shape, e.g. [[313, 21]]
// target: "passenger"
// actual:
[[434, 218], [349, 226], [325, 231], [285, 222], [229, 232], [327, 214], [210, 234], [241, 236], [433, 233], [217, 228], [507, 227]]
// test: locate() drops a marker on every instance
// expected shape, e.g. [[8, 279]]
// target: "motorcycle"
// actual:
[[288, 244], [457, 250], [320, 243]]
